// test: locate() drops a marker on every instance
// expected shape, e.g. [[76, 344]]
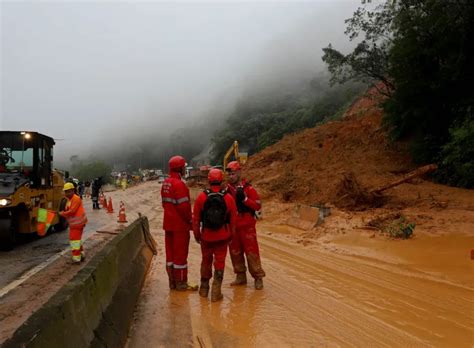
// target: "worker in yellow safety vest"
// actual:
[[76, 217]]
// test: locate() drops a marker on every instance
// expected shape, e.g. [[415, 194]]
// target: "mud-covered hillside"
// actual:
[[308, 166]]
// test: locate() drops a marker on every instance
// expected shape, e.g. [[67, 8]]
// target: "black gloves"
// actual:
[[240, 195]]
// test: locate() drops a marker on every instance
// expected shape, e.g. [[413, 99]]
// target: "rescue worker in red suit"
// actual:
[[213, 236], [177, 224], [244, 243], [76, 217]]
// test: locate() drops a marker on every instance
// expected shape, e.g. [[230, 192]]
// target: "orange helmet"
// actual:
[[215, 176], [176, 162], [233, 166]]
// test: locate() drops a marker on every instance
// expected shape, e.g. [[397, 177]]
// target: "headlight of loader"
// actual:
[[4, 202]]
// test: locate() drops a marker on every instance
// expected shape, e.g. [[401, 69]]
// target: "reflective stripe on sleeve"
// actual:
[[182, 200], [169, 200], [175, 201]]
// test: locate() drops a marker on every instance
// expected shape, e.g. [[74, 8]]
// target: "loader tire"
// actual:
[[7, 234]]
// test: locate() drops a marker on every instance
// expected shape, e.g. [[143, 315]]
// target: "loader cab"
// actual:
[[27, 183], [27, 157]]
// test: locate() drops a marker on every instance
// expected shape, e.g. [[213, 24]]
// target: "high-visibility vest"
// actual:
[[78, 218]]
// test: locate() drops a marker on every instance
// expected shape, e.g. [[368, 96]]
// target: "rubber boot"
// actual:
[[171, 282], [258, 283], [185, 286], [181, 286], [204, 288], [240, 279], [216, 294]]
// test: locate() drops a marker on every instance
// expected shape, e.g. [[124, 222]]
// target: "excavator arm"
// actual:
[[234, 148]]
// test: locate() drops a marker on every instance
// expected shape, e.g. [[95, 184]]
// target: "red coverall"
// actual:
[[245, 238], [76, 218], [177, 224], [213, 242]]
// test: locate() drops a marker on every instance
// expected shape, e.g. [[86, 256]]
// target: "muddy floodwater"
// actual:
[[332, 295]]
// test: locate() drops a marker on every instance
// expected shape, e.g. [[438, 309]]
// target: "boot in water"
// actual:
[[240, 279], [216, 294], [204, 288], [171, 283], [184, 286], [258, 283]]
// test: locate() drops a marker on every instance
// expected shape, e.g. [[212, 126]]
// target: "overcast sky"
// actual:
[[83, 71]]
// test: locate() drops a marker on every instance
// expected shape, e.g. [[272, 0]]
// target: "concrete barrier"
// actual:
[[306, 217], [95, 308]]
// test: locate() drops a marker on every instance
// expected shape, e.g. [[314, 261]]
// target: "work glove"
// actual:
[[240, 195]]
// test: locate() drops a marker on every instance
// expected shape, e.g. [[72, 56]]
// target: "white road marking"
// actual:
[[25, 276]]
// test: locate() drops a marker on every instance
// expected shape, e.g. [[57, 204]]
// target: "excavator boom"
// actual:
[[234, 148]]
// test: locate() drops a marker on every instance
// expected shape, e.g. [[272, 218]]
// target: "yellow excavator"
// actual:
[[27, 182], [241, 157]]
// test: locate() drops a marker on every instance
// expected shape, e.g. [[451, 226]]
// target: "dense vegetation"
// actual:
[[421, 50], [261, 119], [88, 170]]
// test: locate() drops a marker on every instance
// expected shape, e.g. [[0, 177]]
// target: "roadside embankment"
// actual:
[[96, 306]]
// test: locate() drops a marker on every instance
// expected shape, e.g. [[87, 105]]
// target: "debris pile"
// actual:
[[334, 162], [354, 196]]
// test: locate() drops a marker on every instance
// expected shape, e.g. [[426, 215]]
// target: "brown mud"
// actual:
[[333, 285], [345, 281]]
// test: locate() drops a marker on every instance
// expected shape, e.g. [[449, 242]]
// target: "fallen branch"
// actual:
[[416, 173]]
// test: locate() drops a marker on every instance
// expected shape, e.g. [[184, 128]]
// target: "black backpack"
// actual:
[[214, 213]]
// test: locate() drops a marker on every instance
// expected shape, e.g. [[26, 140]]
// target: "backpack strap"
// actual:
[[221, 192]]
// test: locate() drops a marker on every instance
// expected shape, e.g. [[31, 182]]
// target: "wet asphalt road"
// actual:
[[33, 250]]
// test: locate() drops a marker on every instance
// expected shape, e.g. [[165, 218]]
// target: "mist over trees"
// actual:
[[422, 51], [417, 52], [262, 118], [153, 150], [88, 170]]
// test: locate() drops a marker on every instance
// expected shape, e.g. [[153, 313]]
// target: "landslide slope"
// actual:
[[309, 165]]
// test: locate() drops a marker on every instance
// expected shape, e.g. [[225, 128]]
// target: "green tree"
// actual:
[[369, 61], [422, 51], [432, 66], [87, 171], [457, 164]]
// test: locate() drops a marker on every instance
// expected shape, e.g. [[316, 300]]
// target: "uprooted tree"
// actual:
[[421, 51]]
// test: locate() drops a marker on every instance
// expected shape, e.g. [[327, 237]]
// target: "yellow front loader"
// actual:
[[27, 183]]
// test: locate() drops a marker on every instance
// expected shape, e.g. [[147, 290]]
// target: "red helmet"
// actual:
[[215, 176], [233, 166], [176, 162]]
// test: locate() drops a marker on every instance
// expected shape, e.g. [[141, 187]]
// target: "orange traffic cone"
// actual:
[[101, 199], [110, 207], [122, 217], [104, 203]]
